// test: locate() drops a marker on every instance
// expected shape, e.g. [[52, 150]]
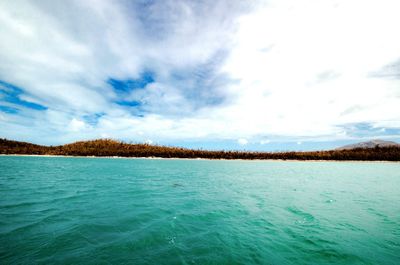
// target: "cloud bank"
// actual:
[[199, 71]]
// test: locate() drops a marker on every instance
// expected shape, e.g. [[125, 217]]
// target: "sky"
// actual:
[[239, 75]]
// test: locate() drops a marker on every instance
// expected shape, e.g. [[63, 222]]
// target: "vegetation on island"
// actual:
[[109, 147]]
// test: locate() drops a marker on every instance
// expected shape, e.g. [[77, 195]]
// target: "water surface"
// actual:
[[140, 211]]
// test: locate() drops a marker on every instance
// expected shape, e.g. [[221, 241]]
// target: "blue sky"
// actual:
[[242, 75]]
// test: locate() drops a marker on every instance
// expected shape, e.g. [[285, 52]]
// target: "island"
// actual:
[[380, 151]]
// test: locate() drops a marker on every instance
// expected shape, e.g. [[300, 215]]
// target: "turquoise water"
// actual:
[[138, 211]]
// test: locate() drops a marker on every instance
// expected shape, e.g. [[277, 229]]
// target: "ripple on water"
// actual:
[[118, 211], [303, 216]]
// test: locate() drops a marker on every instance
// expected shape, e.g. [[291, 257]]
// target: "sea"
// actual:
[[66, 210]]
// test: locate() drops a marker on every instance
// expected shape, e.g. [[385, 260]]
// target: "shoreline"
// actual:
[[210, 159]]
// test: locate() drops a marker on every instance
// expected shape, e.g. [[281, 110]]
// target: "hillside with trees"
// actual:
[[109, 147]]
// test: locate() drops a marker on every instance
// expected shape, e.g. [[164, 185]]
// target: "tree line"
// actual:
[[109, 147]]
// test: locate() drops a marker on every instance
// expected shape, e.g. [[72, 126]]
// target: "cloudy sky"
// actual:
[[256, 75]]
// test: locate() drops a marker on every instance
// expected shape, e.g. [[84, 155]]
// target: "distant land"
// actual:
[[375, 150], [369, 144]]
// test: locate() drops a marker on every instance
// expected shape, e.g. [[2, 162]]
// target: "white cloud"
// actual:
[[292, 69], [242, 141], [76, 125], [280, 64]]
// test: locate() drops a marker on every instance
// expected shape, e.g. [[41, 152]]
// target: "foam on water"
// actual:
[[138, 211]]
